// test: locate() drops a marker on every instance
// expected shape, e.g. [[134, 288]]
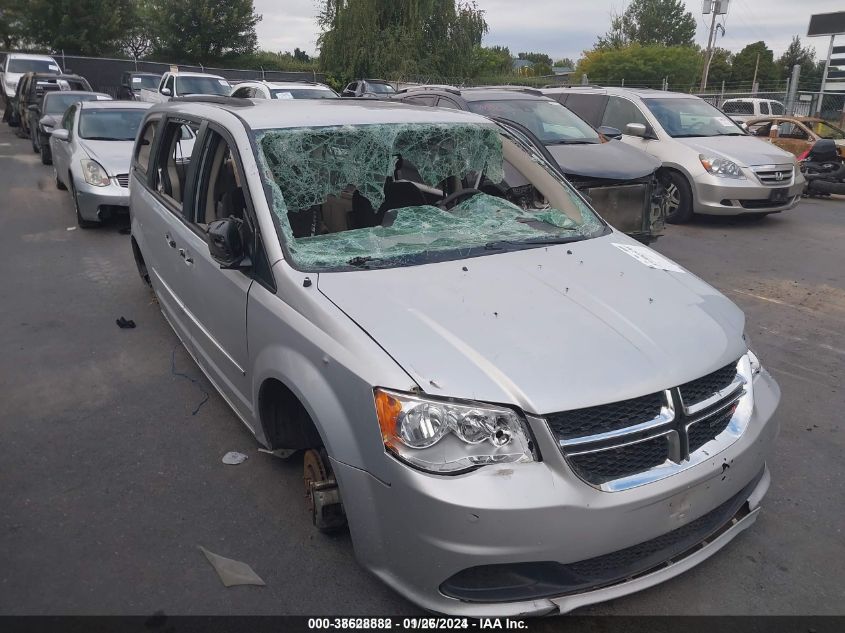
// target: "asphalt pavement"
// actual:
[[109, 482]]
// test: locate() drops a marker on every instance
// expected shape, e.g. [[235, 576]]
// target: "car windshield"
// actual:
[[400, 194], [691, 117], [302, 93], [826, 130], [58, 102], [110, 124], [202, 86], [33, 65], [145, 81], [550, 122], [777, 108], [379, 88]]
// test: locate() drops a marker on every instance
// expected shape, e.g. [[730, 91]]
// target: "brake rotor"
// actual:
[[314, 469]]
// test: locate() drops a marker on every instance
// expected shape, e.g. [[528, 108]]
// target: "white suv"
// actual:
[[742, 110], [14, 66], [710, 164]]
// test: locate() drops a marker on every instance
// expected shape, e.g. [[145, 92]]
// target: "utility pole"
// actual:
[[754, 81], [716, 8], [824, 76], [793, 89]]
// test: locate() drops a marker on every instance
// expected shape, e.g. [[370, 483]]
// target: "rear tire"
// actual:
[[36, 141], [46, 156], [679, 208], [59, 184]]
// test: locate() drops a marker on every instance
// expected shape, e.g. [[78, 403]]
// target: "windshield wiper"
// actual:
[[535, 241], [102, 138], [364, 261], [570, 141]]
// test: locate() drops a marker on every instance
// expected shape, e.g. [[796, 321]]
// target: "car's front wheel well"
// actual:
[[285, 421]]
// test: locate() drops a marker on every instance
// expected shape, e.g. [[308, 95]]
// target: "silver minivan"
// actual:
[[517, 409], [710, 164]]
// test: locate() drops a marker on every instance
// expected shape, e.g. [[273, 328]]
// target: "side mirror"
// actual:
[[610, 132], [636, 129], [226, 243], [32, 108], [60, 135], [166, 92]]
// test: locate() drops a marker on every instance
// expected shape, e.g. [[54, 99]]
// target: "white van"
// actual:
[[742, 110]]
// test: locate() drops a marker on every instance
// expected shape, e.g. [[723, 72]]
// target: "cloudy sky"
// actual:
[[564, 28]]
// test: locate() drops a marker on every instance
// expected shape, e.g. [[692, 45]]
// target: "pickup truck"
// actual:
[[183, 84]]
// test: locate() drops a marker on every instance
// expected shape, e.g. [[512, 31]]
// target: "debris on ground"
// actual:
[[233, 458], [124, 323], [232, 572], [193, 380], [281, 453], [71, 228]]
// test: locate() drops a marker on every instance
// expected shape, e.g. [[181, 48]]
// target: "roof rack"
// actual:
[[574, 86], [445, 88], [236, 102]]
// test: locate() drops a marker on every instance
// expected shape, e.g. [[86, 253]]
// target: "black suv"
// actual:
[[619, 180], [132, 81], [30, 91]]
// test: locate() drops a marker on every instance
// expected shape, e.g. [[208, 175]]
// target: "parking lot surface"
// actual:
[[109, 482]]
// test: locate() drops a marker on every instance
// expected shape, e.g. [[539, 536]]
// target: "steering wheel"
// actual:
[[455, 198]]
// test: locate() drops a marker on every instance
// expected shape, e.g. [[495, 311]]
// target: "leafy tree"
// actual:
[[645, 22], [491, 61], [643, 65], [745, 61], [804, 56], [720, 67], [136, 40], [11, 23], [362, 38], [566, 62], [204, 31], [537, 58], [300, 55], [84, 27]]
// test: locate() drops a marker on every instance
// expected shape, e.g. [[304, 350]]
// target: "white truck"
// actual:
[[176, 84]]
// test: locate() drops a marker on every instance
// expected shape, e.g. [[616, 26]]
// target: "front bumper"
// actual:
[[100, 203], [418, 530], [713, 195]]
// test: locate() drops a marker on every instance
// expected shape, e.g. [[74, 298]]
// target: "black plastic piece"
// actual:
[[217, 99]]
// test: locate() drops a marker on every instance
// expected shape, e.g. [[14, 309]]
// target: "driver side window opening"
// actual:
[[620, 112], [220, 194], [175, 151]]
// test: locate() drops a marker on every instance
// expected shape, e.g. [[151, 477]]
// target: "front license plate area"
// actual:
[[779, 195]]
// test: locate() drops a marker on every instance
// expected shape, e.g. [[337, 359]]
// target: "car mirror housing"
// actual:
[[166, 92], [60, 135], [32, 108], [226, 243], [637, 129], [610, 132]]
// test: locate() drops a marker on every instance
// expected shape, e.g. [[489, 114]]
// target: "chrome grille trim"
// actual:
[[768, 175], [675, 423]]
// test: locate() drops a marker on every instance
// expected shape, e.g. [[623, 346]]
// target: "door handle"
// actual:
[[170, 241]]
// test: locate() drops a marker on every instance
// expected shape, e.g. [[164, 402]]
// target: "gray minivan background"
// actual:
[[710, 165], [517, 409]]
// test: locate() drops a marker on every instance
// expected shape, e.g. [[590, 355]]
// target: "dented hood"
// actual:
[[542, 328], [613, 160]]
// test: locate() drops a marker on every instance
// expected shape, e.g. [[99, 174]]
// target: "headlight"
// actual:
[[94, 173], [756, 366], [446, 437], [720, 166]]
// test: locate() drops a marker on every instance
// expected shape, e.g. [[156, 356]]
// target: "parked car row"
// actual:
[[517, 409]]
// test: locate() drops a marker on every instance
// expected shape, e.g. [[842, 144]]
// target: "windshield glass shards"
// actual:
[[386, 195]]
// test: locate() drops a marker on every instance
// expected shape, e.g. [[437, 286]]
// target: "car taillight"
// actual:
[[804, 154]]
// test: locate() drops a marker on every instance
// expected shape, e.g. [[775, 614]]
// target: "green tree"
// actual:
[[204, 31], [491, 61], [435, 38], [720, 67], [804, 56], [665, 22], [744, 62], [566, 62], [11, 24], [643, 65], [84, 27], [136, 41]]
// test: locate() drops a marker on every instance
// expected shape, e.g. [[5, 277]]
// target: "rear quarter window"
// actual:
[[589, 107]]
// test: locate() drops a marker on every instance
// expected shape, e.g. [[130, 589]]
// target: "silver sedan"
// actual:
[[92, 151]]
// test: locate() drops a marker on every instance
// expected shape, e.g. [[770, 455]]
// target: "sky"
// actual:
[[564, 28]]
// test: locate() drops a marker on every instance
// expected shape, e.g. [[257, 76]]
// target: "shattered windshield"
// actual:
[[400, 194], [692, 117]]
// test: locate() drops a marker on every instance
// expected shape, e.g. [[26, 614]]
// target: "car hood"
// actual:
[[114, 156], [541, 328], [745, 151], [613, 160]]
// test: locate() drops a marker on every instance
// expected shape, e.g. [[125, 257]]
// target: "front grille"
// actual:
[[704, 387], [775, 175], [614, 463], [608, 443], [605, 418], [123, 180]]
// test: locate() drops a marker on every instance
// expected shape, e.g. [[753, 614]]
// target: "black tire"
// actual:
[[59, 184], [36, 141], [81, 223], [679, 209], [46, 155], [828, 187]]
